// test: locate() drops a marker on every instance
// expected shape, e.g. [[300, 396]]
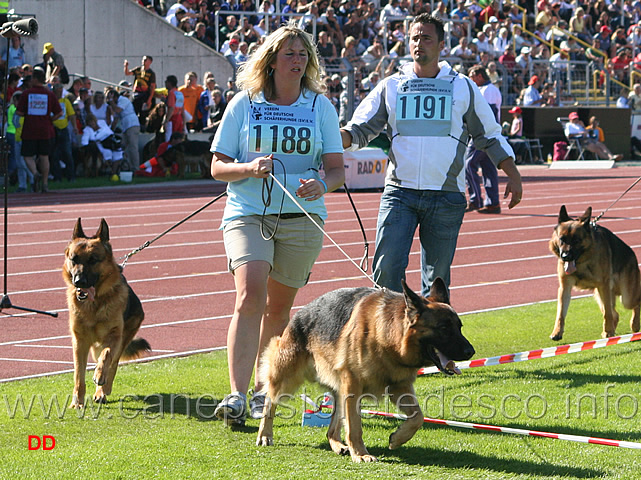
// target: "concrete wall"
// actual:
[[96, 36]]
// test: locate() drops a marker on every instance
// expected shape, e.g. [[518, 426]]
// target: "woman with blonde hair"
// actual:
[[281, 127], [579, 25], [350, 53]]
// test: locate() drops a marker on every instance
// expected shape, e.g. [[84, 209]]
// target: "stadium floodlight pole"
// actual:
[[26, 27]]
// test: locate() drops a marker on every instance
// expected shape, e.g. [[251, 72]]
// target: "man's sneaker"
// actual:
[[256, 405], [233, 409]]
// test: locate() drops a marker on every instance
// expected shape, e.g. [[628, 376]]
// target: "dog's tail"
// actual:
[[267, 359], [135, 349], [284, 366]]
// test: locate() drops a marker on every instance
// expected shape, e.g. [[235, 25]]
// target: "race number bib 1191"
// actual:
[[424, 107], [287, 132]]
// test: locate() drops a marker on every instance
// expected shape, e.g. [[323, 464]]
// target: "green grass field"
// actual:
[[159, 422]]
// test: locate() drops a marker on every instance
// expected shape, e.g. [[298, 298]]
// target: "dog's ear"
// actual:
[[414, 302], [563, 215], [438, 291], [103, 231], [77, 230], [587, 216]]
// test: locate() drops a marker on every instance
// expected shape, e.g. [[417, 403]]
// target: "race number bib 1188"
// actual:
[[287, 132], [424, 107]]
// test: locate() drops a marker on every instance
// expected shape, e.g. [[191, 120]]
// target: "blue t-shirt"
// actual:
[[234, 139]]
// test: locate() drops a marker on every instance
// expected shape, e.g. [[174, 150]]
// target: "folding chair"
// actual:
[[533, 145], [574, 144]]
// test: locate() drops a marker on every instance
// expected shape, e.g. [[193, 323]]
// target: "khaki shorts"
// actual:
[[291, 253]]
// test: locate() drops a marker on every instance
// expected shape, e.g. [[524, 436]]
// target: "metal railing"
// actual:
[[101, 81]]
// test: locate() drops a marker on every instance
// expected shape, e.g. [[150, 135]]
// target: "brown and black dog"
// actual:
[[591, 257], [104, 312], [362, 342]]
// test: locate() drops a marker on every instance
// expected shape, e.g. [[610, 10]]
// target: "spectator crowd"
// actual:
[[369, 34]]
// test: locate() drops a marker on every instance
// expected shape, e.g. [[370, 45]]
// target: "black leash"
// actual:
[[267, 198], [613, 203], [291, 197], [268, 186], [149, 242], [365, 260]]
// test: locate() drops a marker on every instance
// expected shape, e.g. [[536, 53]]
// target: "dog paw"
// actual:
[[364, 458], [264, 441], [99, 397], [338, 447], [76, 402]]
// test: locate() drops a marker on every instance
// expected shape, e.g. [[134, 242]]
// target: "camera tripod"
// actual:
[[21, 28]]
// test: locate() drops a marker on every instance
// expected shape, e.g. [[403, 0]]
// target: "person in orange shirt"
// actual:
[[191, 90], [595, 131]]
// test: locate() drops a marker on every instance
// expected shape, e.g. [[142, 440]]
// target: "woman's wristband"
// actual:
[[324, 185]]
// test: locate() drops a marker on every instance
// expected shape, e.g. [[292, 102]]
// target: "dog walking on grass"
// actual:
[[361, 342], [104, 312], [591, 257]]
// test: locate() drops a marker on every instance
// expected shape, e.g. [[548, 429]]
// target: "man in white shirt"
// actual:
[[181, 6], [482, 43], [392, 9], [463, 51], [424, 184], [634, 98]]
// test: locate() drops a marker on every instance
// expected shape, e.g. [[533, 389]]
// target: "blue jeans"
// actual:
[[438, 215]]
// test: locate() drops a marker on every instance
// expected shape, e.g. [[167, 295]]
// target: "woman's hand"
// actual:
[[261, 167], [311, 189]]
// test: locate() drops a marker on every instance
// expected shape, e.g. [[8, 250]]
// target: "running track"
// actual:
[[502, 260]]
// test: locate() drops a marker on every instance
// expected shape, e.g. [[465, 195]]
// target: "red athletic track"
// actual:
[[182, 279]]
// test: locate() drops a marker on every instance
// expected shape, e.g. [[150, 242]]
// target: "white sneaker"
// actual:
[[257, 405], [233, 409]]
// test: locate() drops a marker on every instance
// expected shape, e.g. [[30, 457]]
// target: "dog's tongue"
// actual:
[[448, 364], [89, 292], [570, 267]]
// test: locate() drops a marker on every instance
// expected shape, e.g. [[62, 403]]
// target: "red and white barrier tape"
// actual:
[[516, 431], [541, 353], [479, 426]]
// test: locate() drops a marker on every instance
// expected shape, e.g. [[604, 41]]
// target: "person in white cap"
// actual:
[[523, 60]]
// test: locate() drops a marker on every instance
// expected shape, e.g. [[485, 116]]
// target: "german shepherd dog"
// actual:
[[363, 341], [104, 312], [591, 257]]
